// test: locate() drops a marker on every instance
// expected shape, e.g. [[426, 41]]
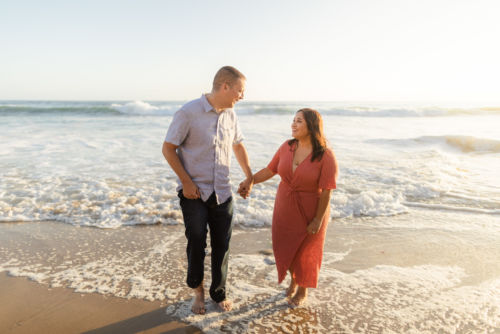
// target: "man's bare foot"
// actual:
[[299, 298], [226, 305], [291, 289], [198, 306]]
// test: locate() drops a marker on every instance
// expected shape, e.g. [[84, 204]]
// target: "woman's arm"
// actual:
[[324, 200], [263, 175]]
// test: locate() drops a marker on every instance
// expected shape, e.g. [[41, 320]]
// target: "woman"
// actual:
[[308, 171]]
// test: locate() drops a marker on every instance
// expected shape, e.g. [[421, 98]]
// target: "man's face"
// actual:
[[235, 92]]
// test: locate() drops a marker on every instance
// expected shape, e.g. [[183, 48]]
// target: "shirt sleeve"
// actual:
[[238, 135], [329, 171], [178, 129], [273, 165]]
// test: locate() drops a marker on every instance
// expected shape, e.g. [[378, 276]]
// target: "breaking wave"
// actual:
[[245, 108], [466, 144]]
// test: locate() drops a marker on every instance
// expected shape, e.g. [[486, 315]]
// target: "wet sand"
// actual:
[[374, 279], [29, 307]]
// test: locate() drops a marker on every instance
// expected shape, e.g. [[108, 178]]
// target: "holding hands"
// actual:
[[246, 187], [261, 176]]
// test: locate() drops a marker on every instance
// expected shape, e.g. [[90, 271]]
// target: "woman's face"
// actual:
[[299, 126]]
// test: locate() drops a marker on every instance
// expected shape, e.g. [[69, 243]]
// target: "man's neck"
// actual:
[[212, 99]]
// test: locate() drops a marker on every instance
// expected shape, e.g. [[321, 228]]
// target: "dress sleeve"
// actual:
[[273, 165], [329, 171]]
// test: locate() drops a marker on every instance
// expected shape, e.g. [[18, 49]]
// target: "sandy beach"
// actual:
[[375, 280], [92, 236], [28, 307]]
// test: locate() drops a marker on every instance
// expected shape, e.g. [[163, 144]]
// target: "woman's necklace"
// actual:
[[295, 158]]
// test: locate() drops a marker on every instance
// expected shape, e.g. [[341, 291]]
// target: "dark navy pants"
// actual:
[[197, 216]]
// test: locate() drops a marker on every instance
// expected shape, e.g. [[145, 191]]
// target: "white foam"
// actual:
[[466, 144], [109, 172], [144, 108], [136, 107], [377, 298], [463, 143], [330, 258], [423, 298], [129, 275], [453, 208], [367, 203], [111, 205]]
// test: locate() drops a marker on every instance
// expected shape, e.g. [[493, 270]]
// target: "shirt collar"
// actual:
[[206, 105]]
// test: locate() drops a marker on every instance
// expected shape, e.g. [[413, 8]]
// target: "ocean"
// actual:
[[415, 221]]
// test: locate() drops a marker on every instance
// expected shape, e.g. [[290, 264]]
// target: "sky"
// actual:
[[331, 50]]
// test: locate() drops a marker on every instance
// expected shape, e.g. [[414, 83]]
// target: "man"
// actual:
[[198, 149]]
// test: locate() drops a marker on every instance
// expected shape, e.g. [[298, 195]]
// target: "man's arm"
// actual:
[[241, 155], [189, 189]]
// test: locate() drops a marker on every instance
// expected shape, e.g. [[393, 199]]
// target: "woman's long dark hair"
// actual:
[[315, 128]]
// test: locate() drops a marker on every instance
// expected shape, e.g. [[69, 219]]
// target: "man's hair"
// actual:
[[226, 74]]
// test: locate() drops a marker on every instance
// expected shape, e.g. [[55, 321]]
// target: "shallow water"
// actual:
[[373, 279], [100, 164], [412, 246]]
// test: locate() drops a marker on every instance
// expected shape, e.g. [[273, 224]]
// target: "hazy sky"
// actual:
[[394, 50]]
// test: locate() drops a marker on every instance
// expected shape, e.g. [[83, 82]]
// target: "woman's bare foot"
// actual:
[[226, 305], [299, 298], [291, 289], [198, 306]]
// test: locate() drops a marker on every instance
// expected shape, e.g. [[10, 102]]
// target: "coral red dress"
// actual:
[[294, 208]]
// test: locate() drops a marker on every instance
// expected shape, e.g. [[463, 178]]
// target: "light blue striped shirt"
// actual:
[[205, 140]]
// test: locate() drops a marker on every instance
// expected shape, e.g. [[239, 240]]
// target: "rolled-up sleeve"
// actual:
[[238, 135], [178, 129]]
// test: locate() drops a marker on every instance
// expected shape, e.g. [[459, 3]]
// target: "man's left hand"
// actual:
[[245, 187]]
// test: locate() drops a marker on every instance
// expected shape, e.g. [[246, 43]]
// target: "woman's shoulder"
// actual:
[[329, 152], [329, 156], [287, 145]]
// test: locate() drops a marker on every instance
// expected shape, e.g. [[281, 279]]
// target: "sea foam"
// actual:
[[144, 108], [160, 108]]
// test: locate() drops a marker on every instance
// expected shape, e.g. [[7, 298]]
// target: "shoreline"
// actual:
[[131, 279], [35, 308]]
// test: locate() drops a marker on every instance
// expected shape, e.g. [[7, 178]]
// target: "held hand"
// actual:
[[245, 187], [190, 190], [314, 226], [243, 190]]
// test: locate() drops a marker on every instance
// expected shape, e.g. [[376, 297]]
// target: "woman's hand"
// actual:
[[314, 226]]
